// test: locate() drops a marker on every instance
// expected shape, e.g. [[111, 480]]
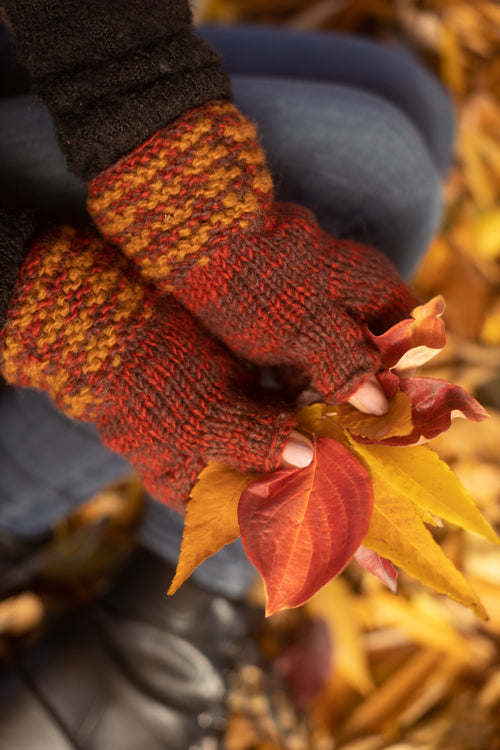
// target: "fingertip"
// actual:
[[298, 452], [370, 398]]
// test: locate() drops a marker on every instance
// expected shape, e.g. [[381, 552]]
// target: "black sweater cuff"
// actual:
[[113, 72], [16, 229]]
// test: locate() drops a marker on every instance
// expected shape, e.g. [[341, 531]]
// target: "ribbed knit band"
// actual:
[[85, 328], [112, 72]]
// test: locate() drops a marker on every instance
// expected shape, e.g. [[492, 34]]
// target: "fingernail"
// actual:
[[298, 451], [370, 399]]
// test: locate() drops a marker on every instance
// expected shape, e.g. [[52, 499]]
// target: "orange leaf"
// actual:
[[396, 422], [300, 527], [413, 341], [211, 517]]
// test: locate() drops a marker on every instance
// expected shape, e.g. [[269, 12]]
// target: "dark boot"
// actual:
[[133, 671]]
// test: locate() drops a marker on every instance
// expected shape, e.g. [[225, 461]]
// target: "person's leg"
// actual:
[[353, 158], [393, 75], [34, 175], [357, 132], [49, 465]]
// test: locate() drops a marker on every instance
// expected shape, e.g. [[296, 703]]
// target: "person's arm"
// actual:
[[16, 229], [80, 324], [112, 72], [193, 205]]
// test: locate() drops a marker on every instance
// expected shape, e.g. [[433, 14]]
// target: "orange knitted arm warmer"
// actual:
[[83, 326], [194, 208]]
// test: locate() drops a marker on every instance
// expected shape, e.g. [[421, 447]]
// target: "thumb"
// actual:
[[298, 451], [370, 398]]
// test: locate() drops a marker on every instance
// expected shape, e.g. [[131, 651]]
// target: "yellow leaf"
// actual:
[[429, 629], [490, 332], [452, 61], [487, 233], [211, 517], [419, 473], [397, 532], [311, 421], [333, 603]]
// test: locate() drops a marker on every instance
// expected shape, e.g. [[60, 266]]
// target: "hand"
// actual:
[[84, 327], [194, 209], [370, 398]]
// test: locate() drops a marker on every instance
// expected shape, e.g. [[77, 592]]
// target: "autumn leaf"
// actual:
[[396, 529], [421, 475], [397, 422], [378, 566], [435, 403], [306, 662], [211, 517], [336, 606], [414, 340], [300, 527]]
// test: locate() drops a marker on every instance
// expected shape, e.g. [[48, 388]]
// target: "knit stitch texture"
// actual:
[[85, 328], [194, 208]]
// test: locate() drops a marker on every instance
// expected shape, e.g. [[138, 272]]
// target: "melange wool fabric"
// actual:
[[84, 327], [112, 72], [194, 208]]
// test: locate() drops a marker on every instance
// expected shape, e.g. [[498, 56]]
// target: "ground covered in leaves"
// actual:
[[416, 671], [367, 670]]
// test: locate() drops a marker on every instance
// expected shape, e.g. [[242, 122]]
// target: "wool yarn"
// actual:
[[194, 209], [84, 327]]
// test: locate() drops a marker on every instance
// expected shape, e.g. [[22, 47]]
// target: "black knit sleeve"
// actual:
[[15, 231], [113, 72]]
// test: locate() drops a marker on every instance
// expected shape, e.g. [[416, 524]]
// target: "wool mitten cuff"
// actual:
[[194, 208], [84, 327]]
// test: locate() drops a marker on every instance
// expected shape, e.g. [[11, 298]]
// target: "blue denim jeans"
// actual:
[[357, 132]]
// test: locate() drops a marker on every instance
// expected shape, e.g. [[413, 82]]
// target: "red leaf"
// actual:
[[424, 329], [435, 403], [300, 527], [380, 567], [306, 663]]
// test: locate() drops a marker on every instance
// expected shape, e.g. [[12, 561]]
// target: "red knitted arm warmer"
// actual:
[[83, 326], [194, 208]]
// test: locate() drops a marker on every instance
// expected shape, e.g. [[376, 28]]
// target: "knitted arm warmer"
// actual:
[[193, 205], [83, 327], [112, 72], [194, 208]]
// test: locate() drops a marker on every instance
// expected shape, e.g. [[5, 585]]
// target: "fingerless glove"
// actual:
[[83, 326], [194, 208]]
